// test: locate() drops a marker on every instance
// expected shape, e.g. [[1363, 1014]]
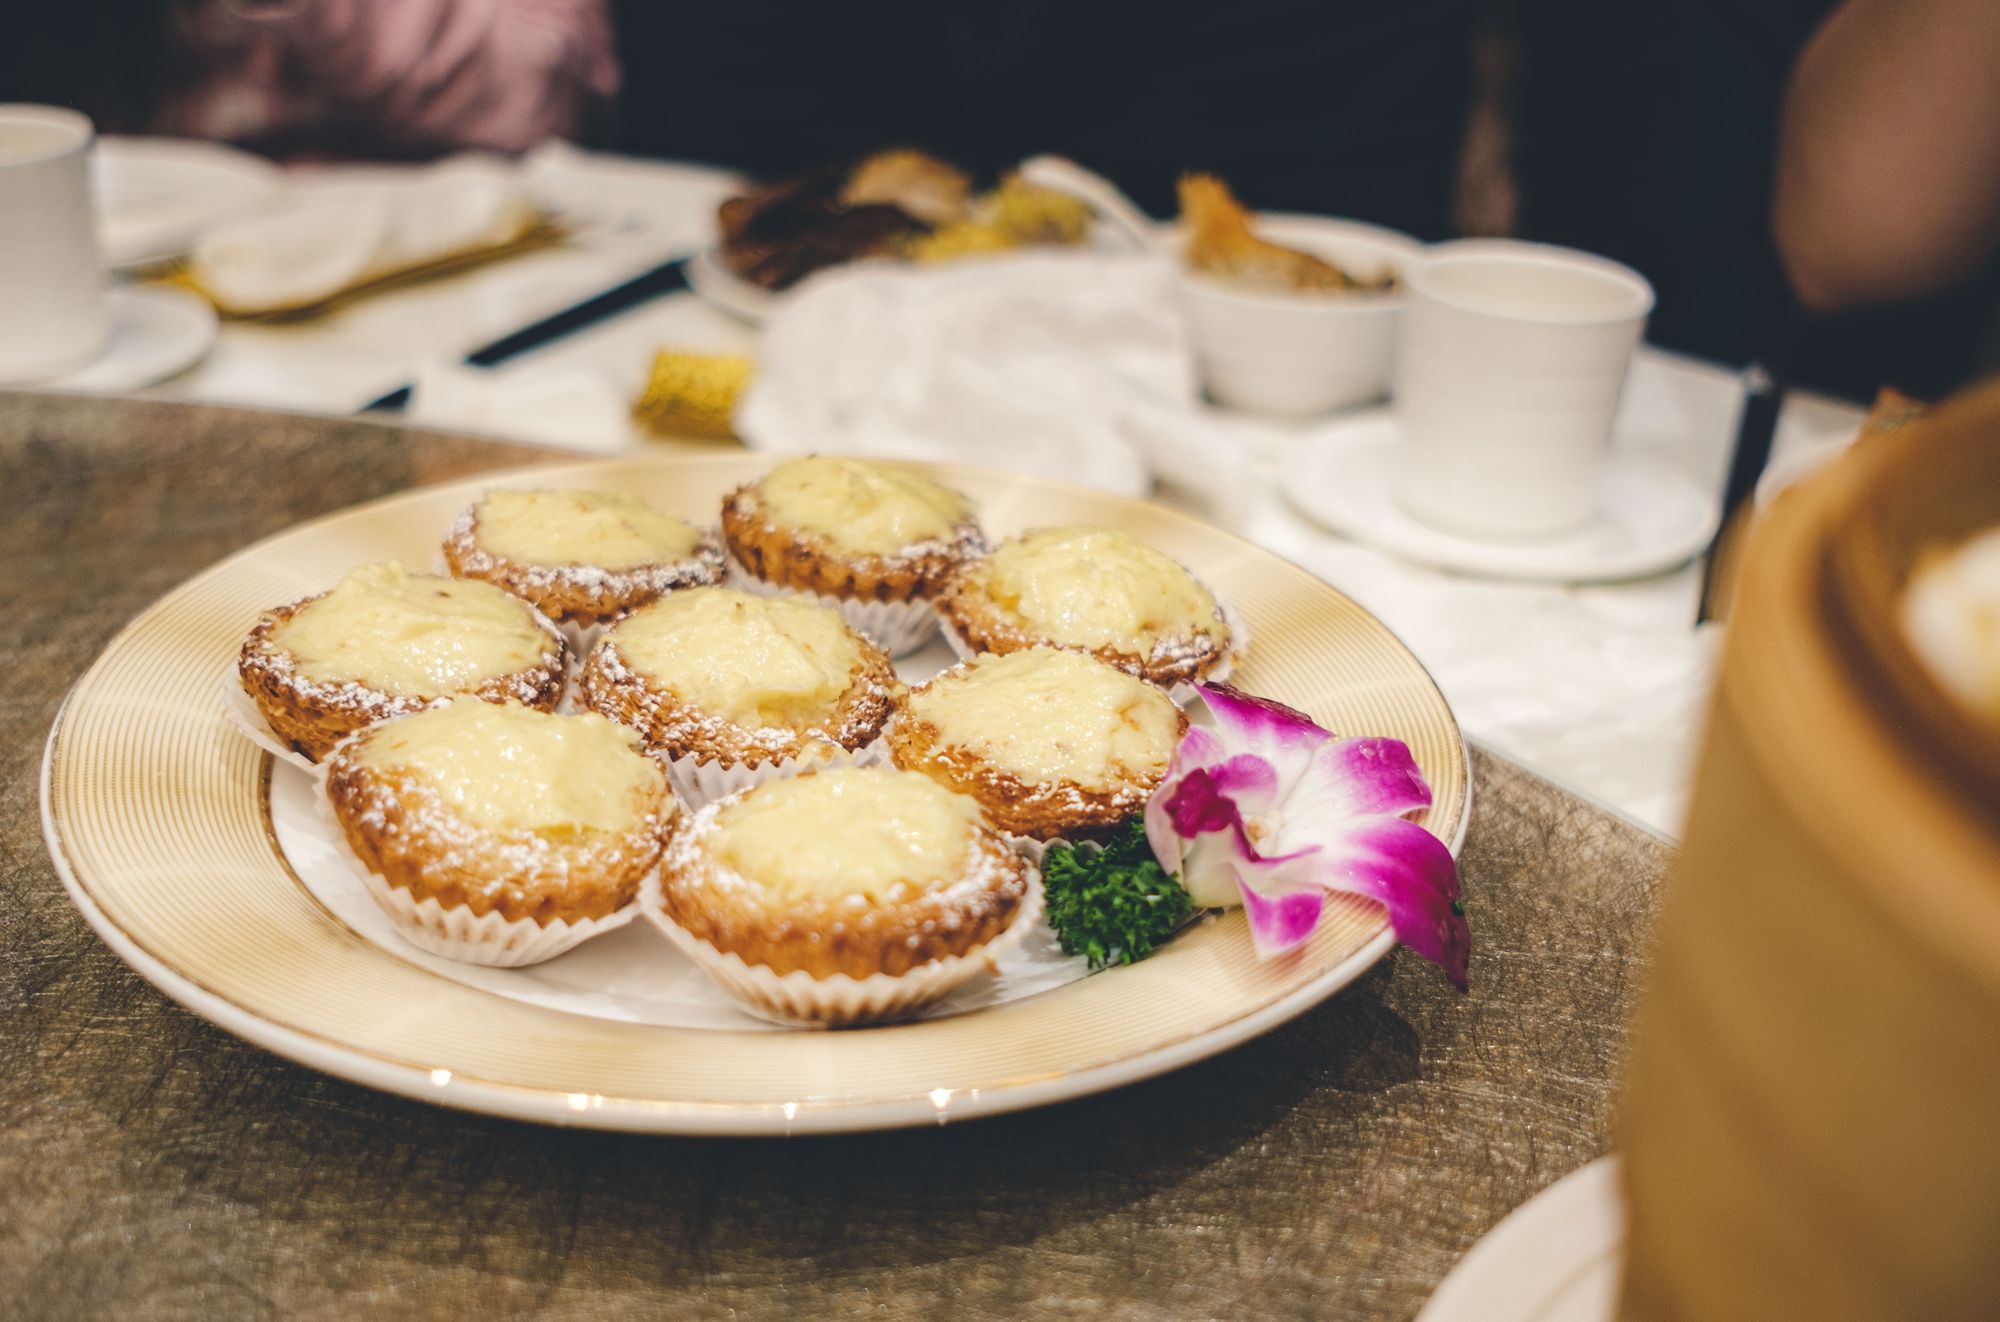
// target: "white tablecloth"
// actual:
[[1600, 688]]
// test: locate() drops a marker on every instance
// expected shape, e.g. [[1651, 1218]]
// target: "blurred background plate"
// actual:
[[157, 814], [156, 195]]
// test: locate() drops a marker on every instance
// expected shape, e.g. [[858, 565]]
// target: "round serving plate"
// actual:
[[157, 812]]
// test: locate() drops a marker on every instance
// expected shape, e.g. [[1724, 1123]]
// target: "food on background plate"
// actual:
[[844, 896], [693, 394], [579, 556], [877, 539], [1053, 744], [505, 829], [384, 642], [1091, 590], [898, 204], [1951, 620], [1222, 242], [727, 687]]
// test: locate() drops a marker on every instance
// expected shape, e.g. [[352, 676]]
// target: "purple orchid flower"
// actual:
[[1262, 807]]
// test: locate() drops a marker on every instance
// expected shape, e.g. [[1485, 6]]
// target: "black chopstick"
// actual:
[[1756, 427], [666, 278]]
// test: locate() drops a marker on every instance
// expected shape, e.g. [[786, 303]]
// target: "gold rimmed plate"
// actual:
[[158, 815]]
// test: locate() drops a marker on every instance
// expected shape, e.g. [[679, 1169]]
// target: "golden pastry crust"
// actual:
[[983, 625], [671, 727], [824, 936], [314, 715], [580, 594], [405, 834], [805, 563], [1040, 810]]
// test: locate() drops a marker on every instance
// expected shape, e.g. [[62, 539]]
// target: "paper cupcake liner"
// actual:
[[460, 934], [1036, 850], [897, 627], [801, 1000], [698, 783], [244, 714], [1181, 691]]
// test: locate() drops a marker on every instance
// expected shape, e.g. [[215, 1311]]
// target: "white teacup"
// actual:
[[1508, 371], [52, 313]]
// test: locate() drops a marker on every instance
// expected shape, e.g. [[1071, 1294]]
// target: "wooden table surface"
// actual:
[[151, 1165]]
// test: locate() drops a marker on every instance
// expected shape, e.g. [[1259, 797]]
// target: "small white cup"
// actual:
[[52, 312], [1508, 371], [1292, 354]]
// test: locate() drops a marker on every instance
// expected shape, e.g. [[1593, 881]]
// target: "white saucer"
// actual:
[[1649, 518], [1556, 1258], [155, 333]]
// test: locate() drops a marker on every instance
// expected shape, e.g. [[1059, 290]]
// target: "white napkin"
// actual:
[[572, 406], [1068, 365], [335, 236]]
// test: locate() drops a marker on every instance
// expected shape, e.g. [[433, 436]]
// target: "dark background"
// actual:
[[1642, 130]]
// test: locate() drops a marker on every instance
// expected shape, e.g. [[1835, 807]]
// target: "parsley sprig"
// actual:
[[1114, 906]]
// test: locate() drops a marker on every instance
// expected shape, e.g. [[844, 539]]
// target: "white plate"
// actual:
[[1649, 518], [155, 333], [156, 195], [1555, 1258], [195, 857]]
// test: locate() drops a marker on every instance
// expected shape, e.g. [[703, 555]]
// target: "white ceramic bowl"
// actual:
[[1295, 355]]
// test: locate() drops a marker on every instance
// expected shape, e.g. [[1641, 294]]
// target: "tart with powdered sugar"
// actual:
[[714, 676], [843, 896], [1091, 590], [385, 642], [1053, 744], [581, 557], [498, 834], [878, 540]]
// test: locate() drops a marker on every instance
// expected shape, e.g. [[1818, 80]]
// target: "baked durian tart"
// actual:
[[385, 642], [1091, 590], [497, 834], [727, 688], [581, 557], [846, 896], [1052, 744], [877, 539]]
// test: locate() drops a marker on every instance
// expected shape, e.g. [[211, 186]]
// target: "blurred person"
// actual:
[[1650, 133], [1889, 158], [399, 78]]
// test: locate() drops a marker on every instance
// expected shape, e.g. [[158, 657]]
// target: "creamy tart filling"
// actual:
[[1093, 587], [412, 635], [580, 528], [759, 662], [1951, 619], [508, 768], [1047, 715], [847, 832], [860, 507]]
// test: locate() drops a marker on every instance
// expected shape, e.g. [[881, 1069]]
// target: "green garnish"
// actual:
[[1114, 906]]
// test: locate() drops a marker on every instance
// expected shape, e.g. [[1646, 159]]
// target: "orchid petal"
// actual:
[[1280, 922], [1209, 866], [1410, 873], [1279, 734], [1349, 779]]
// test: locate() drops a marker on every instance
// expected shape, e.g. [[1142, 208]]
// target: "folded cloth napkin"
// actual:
[[1068, 365], [336, 236]]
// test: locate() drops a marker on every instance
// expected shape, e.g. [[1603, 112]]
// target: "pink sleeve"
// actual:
[[504, 74]]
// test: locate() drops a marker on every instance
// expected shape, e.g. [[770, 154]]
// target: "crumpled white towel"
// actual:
[[1070, 365]]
